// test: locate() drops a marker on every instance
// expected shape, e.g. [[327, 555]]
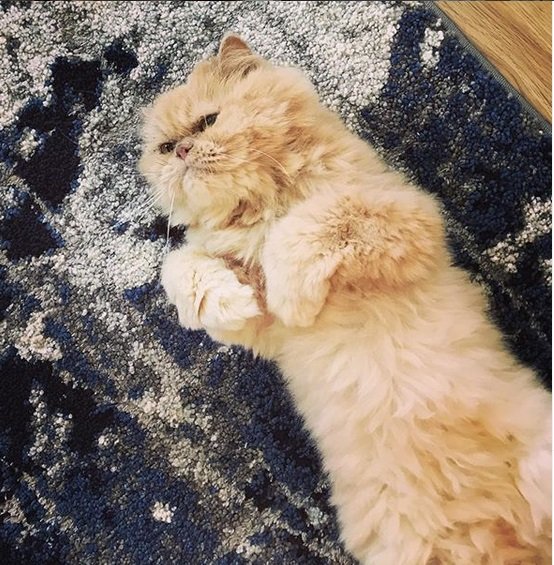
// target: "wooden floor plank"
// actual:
[[516, 37]]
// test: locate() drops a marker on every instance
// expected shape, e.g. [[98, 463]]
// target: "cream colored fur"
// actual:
[[437, 441]]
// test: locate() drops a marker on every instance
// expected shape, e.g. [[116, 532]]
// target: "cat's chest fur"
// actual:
[[243, 244]]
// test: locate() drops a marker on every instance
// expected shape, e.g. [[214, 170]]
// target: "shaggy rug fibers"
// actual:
[[126, 439]]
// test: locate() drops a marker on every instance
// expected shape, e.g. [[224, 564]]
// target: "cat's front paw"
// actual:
[[226, 304], [297, 277], [206, 293], [289, 300], [299, 258]]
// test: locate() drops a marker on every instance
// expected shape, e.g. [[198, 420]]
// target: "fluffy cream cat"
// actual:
[[303, 246]]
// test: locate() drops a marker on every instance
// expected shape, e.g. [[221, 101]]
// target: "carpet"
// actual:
[[126, 439]]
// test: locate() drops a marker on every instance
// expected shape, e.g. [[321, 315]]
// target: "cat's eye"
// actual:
[[206, 121], [167, 147], [210, 119]]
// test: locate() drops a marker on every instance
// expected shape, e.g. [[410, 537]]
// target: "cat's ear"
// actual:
[[235, 57], [233, 45]]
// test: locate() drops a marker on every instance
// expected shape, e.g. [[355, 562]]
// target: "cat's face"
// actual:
[[223, 148]]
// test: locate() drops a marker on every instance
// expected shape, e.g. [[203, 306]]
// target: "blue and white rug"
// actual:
[[124, 438]]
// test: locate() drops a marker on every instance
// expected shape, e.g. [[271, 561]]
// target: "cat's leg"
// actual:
[[209, 295], [379, 240], [206, 293]]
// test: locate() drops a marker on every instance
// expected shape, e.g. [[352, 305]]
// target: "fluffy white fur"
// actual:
[[437, 441]]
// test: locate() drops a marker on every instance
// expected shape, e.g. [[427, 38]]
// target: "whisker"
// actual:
[[273, 159], [141, 210], [166, 249], [68, 138], [149, 199], [157, 194], [142, 216]]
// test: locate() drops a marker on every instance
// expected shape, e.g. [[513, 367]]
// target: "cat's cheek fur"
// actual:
[[205, 292]]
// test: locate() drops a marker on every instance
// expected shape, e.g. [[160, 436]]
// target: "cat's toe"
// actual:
[[228, 304], [206, 294]]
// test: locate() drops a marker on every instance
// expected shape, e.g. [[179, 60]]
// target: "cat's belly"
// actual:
[[388, 356], [414, 417], [361, 371], [410, 447]]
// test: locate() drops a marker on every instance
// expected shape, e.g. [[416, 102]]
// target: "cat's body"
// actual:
[[436, 440]]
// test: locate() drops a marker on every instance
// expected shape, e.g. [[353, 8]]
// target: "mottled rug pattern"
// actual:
[[126, 439]]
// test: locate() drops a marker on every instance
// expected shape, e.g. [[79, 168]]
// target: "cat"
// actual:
[[303, 246]]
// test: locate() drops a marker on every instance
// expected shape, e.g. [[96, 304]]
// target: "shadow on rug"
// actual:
[[124, 438]]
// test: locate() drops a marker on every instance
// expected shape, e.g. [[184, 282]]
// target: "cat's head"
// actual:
[[223, 148]]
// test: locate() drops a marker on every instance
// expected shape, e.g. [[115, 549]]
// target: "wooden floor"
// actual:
[[516, 37]]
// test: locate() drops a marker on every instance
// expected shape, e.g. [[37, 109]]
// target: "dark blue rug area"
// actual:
[[124, 438]]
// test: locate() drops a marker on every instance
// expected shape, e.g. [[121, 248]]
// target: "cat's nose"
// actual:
[[183, 149]]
